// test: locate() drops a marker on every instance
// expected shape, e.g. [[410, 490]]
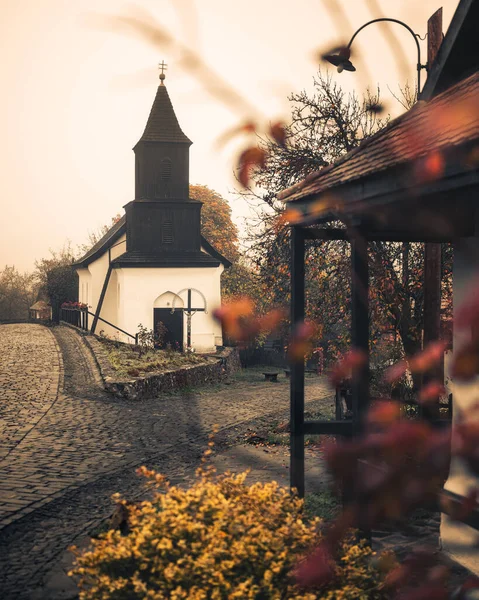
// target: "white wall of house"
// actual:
[[457, 539], [84, 285], [142, 287], [90, 284]]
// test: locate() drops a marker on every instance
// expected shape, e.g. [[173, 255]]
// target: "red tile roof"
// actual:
[[450, 119]]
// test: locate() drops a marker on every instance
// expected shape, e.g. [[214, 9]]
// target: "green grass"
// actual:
[[322, 504], [128, 363], [282, 439]]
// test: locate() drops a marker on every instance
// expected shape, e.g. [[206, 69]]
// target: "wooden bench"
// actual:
[[271, 376]]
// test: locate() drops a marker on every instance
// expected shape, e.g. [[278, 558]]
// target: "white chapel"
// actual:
[[154, 265]]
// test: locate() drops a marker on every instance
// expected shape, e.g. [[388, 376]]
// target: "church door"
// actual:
[[173, 334]]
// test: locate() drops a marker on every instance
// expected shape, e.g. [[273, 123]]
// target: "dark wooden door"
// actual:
[[174, 326]]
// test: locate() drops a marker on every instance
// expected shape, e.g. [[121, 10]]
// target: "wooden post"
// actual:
[[433, 252], [359, 341], [297, 367], [360, 328]]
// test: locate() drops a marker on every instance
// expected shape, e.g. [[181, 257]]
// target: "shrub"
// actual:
[[219, 539]]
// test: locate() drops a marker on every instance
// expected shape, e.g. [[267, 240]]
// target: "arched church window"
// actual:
[[165, 170], [167, 232]]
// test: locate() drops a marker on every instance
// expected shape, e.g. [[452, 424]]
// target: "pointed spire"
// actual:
[[162, 125]]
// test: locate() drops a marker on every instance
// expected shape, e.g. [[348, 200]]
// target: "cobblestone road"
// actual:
[[68, 451]]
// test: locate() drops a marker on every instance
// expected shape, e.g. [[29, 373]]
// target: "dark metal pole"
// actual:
[[415, 36], [297, 367]]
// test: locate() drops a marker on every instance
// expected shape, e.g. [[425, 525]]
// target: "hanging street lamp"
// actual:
[[340, 57]]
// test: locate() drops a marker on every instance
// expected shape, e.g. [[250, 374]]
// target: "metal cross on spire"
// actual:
[[163, 66]]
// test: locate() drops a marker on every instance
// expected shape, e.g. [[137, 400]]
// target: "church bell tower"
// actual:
[[162, 222]]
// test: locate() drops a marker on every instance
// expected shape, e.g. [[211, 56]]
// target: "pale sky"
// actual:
[[76, 97]]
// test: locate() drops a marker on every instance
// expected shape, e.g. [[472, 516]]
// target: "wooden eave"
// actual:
[[390, 206]]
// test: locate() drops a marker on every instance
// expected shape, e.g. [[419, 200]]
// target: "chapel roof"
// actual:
[[162, 124], [134, 259], [448, 120], [40, 305], [105, 242]]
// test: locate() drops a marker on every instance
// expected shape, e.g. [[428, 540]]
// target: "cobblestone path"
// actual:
[[27, 354], [75, 448]]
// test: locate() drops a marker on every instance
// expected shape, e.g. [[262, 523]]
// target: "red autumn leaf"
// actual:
[[352, 360], [290, 215], [301, 341], [317, 569], [271, 320], [428, 358], [395, 372], [248, 159], [431, 392], [231, 316], [430, 168], [405, 434], [278, 132], [384, 413]]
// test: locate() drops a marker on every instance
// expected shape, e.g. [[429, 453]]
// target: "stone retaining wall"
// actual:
[[221, 365]]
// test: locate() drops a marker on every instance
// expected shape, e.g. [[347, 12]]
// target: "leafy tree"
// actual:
[[57, 277], [241, 279], [95, 236], [325, 126], [62, 286], [17, 293], [216, 223]]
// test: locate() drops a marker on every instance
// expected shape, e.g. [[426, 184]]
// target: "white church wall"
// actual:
[[84, 286], [91, 282], [457, 539], [109, 310], [142, 286]]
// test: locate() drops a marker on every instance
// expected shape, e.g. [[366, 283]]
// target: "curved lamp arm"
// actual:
[[415, 36]]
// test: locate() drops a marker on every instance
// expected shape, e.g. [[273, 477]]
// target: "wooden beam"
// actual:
[[327, 234], [102, 297], [297, 367]]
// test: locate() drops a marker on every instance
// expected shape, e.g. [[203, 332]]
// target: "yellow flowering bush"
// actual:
[[220, 539]]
